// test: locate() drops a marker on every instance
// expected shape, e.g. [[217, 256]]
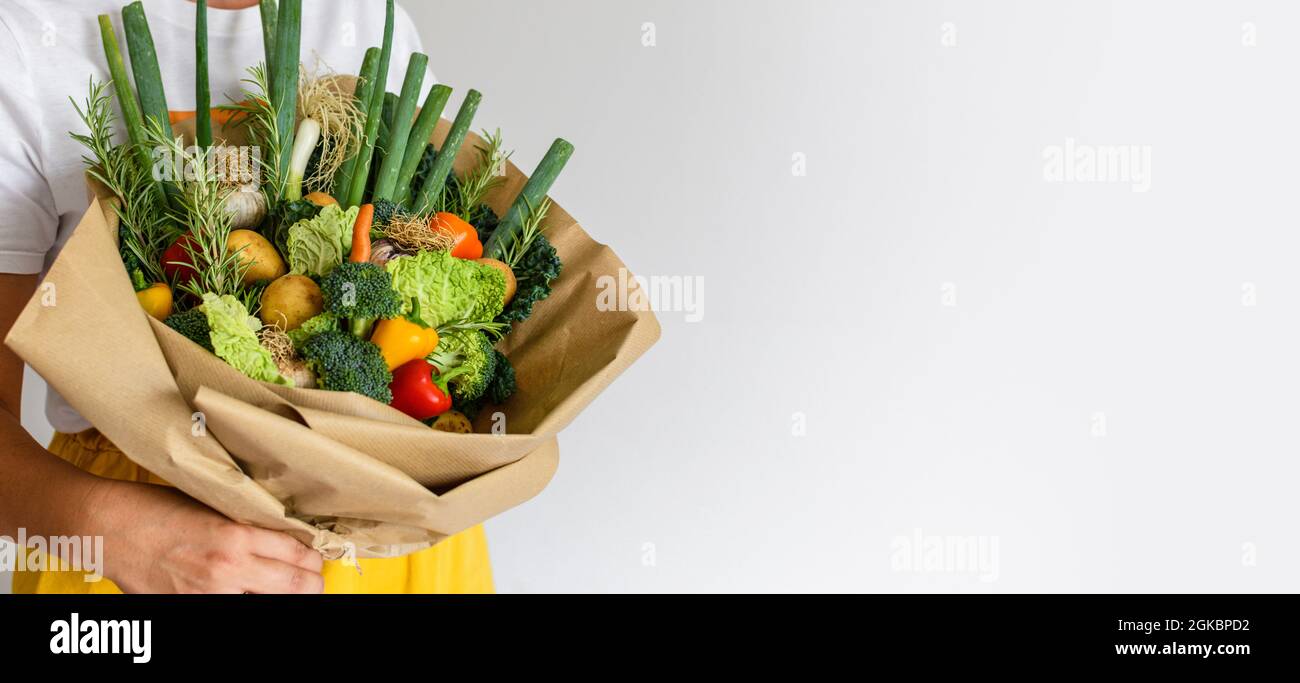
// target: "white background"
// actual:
[[1101, 402]]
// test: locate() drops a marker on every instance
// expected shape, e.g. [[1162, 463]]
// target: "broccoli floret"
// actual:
[[362, 293], [500, 389], [321, 322], [193, 325], [344, 363], [472, 351]]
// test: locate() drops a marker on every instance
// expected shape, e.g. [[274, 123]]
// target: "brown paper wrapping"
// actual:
[[338, 471]]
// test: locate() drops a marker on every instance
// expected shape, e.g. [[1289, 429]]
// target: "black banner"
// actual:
[[1122, 632]]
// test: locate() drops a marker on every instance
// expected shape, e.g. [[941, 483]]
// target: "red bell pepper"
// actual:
[[419, 391]]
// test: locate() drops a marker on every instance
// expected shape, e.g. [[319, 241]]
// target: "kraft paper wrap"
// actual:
[[338, 471]]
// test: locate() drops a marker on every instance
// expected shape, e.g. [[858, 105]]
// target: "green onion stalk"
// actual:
[[400, 132], [203, 94], [284, 84], [418, 141], [374, 113], [533, 195], [427, 198]]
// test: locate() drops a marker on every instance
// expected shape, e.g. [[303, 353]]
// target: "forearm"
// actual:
[[40, 492]]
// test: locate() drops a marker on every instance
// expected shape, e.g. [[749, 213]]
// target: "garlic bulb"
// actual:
[[246, 206], [237, 169], [384, 250]]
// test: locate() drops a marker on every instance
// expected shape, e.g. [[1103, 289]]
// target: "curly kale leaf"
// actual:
[[539, 267], [535, 272]]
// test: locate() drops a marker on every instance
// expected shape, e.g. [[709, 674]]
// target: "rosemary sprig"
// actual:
[[145, 230], [201, 205], [531, 227], [258, 115], [473, 188]]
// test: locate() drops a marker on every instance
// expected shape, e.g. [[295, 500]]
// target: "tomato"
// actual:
[[176, 262], [156, 300]]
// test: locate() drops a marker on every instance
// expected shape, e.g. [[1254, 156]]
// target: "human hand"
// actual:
[[158, 540]]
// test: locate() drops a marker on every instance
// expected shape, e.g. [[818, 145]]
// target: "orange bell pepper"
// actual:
[[466, 242]]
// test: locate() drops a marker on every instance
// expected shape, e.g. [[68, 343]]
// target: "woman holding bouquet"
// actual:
[[156, 540]]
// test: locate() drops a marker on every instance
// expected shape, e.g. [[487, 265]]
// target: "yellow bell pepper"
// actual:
[[401, 341], [156, 300]]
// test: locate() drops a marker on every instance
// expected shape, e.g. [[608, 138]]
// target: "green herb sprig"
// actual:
[[145, 226], [201, 205], [259, 117], [487, 174], [531, 227]]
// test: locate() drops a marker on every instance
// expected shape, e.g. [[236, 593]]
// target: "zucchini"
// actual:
[[399, 134], [419, 140], [437, 178], [203, 94], [535, 190], [361, 167]]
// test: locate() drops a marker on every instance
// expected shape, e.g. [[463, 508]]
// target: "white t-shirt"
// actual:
[[49, 49]]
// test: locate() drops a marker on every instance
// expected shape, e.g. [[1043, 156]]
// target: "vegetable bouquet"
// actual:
[[326, 271], [337, 249]]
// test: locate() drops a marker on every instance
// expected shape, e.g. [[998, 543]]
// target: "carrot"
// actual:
[[361, 234]]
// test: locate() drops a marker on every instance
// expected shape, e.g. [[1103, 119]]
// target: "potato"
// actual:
[[511, 283], [320, 199], [454, 422], [290, 301], [264, 262]]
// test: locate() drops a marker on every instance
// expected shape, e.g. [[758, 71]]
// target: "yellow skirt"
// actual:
[[457, 565]]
